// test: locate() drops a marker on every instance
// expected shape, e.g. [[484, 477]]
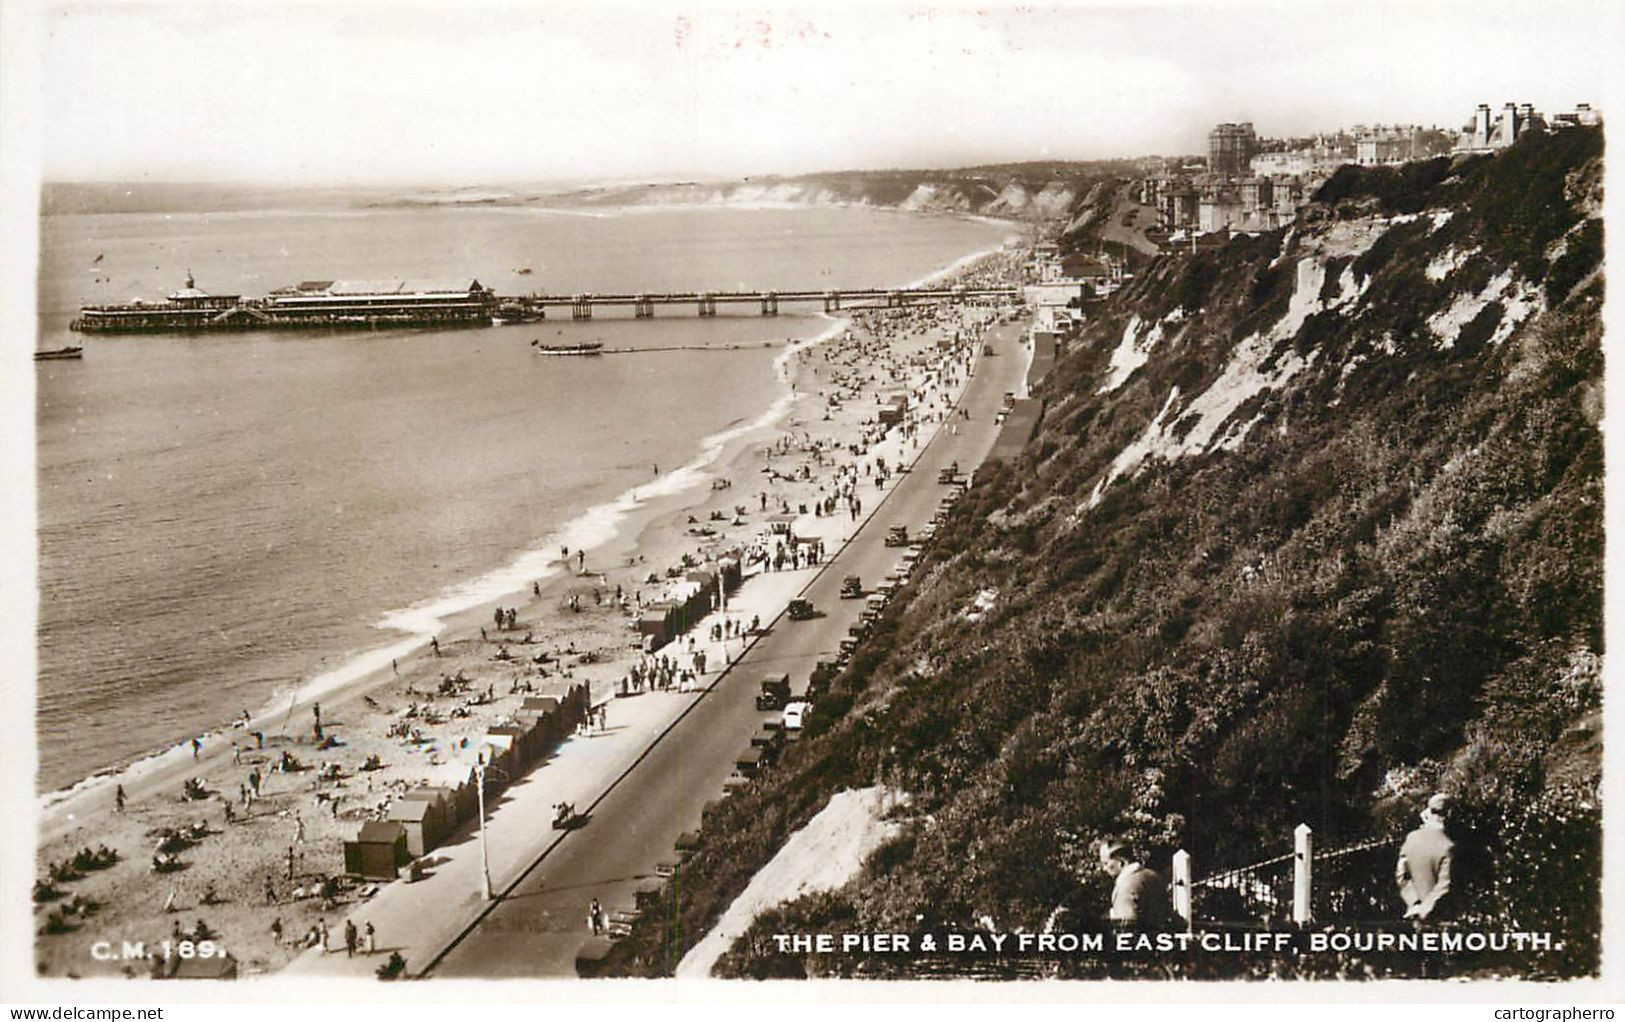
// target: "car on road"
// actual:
[[775, 692], [851, 587], [795, 715], [897, 535], [800, 610]]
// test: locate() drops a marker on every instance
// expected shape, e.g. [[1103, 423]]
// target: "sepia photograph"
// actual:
[[982, 501]]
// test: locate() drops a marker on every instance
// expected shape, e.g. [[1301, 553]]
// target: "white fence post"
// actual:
[[1303, 857], [1182, 887]]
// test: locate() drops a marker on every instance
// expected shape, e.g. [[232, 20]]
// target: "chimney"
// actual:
[[1509, 124], [1481, 126]]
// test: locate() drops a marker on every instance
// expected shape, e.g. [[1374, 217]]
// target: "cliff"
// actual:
[[1028, 191], [1312, 529]]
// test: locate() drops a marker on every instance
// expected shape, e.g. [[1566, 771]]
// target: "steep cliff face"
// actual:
[[1313, 528]]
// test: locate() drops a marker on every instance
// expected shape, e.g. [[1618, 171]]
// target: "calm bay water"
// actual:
[[224, 517]]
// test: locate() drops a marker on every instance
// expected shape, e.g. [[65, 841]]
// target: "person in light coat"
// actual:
[[1423, 870]]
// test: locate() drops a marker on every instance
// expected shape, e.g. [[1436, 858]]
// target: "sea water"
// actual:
[[224, 518]]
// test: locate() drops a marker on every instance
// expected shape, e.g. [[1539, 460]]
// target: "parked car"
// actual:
[[795, 715], [897, 535]]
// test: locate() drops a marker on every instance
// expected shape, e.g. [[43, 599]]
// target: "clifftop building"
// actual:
[[1484, 135], [1230, 147]]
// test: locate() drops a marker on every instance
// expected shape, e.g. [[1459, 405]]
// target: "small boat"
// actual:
[[523, 271], [71, 351], [583, 348]]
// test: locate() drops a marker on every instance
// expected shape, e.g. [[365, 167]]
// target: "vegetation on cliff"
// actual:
[[1330, 542]]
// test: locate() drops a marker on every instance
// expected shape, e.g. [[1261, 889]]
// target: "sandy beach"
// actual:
[[822, 455]]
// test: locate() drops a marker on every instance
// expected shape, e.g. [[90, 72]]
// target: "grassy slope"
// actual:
[[1393, 585]]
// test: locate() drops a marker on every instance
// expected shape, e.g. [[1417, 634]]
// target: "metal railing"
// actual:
[[1350, 883]]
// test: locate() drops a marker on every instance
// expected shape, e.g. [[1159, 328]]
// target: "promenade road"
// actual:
[[537, 927]]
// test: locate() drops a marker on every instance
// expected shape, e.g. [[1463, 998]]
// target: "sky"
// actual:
[[483, 92]]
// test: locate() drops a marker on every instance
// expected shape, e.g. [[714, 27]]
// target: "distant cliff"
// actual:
[[1036, 191], [1313, 528]]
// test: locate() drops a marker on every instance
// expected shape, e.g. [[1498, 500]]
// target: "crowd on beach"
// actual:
[[286, 796]]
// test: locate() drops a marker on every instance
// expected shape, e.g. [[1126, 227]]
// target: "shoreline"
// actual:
[[583, 635], [418, 622]]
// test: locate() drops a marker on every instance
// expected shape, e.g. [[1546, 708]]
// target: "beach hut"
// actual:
[[377, 851], [421, 822], [541, 704], [500, 759], [519, 742], [656, 625], [444, 801]]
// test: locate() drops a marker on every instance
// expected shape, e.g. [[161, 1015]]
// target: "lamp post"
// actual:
[[480, 770]]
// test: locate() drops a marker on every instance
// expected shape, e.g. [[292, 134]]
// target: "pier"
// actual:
[[705, 303], [328, 304]]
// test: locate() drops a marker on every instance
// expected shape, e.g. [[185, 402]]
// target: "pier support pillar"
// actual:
[[643, 308], [832, 302], [708, 305], [770, 304], [581, 308]]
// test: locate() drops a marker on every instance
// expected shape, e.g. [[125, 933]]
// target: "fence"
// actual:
[[1351, 883]]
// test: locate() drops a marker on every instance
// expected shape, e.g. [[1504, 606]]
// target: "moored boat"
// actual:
[[582, 348], [69, 352]]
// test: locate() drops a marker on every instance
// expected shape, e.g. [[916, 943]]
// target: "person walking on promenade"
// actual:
[[1139, 894], [1423, 870], [299, 829], [351, 938], [290, 862], [595, 918], [118, 798], [372, 938], [321, 934], [197, 746]]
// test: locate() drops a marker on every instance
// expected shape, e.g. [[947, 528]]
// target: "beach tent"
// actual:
[[420, 821], [377, 851]]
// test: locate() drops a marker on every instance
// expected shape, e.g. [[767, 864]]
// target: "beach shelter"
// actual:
[[377, 851], [729, 567], [782, 524], [420, 820]]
